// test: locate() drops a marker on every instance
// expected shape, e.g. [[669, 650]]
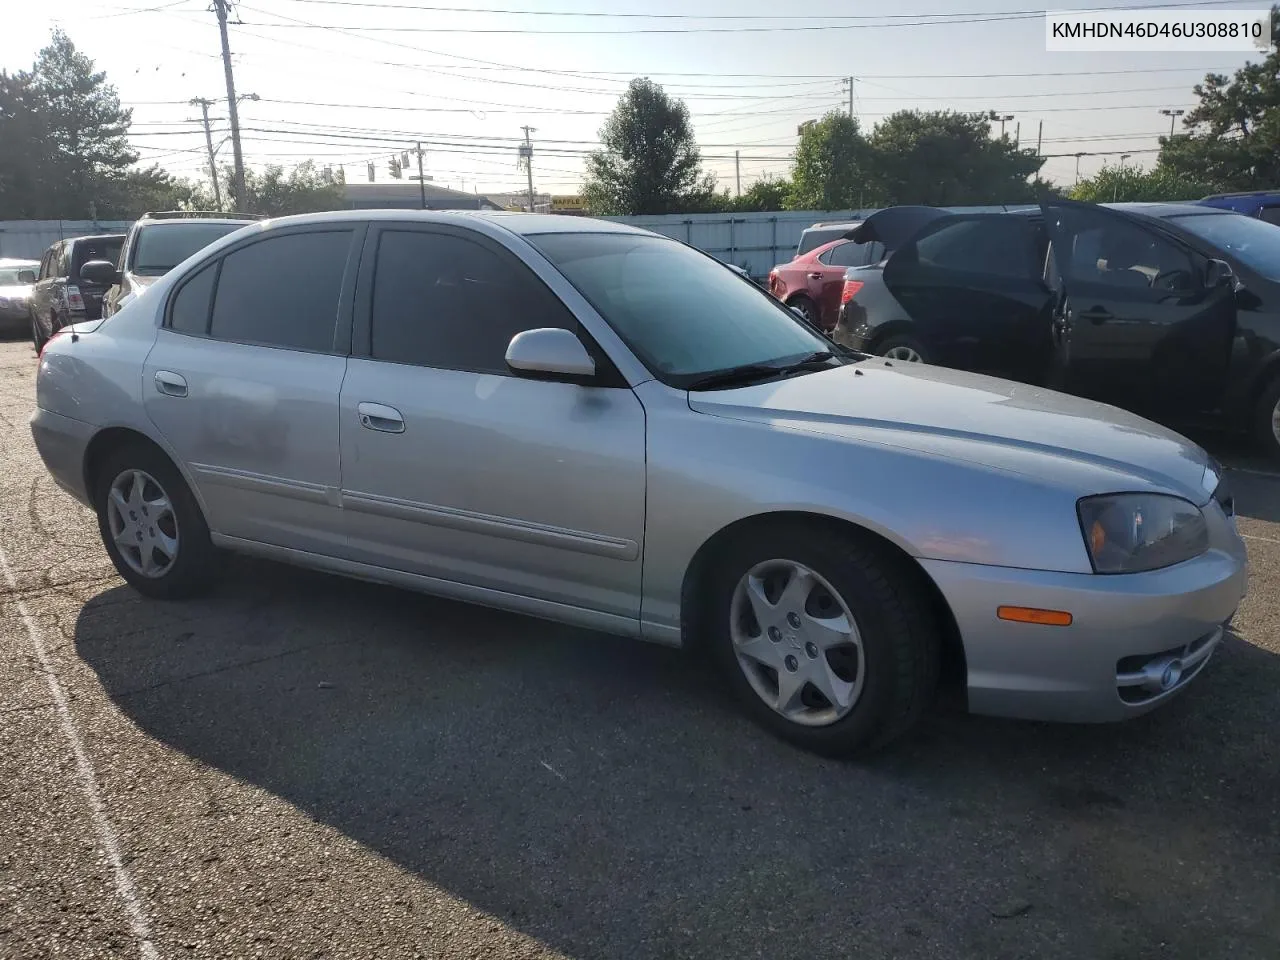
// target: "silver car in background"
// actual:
[[526, 412]]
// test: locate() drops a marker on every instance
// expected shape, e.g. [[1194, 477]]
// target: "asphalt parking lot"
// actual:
[[302, 766]]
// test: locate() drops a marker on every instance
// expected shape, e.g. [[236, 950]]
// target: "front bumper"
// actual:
[[1135, 640], [61, 443]]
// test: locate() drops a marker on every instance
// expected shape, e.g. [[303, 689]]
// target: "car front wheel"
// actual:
[[906, 349], [826, 639], [151, 524]]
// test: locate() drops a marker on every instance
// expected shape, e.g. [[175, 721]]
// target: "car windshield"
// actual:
[[1254, 243], [9, 275], [681, 312], [161, 247]]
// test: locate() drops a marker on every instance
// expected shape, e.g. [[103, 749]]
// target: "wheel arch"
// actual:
[[114, 437], [693, 593], [902, 327]]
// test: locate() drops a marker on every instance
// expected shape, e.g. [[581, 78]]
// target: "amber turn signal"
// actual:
[[1048, 618]]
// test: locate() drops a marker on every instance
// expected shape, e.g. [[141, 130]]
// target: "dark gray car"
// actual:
[[60, 295]]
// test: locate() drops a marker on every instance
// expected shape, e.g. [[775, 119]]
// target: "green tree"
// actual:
[[83, 143], [945, 158], [276, 193], [1232, 139], [21, 129], [650, 162], [766, 194], [834, 167], [1112, 184]]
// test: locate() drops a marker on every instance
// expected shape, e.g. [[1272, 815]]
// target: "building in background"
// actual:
[[402, 195]]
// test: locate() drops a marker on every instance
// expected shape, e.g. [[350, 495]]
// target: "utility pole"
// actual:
[[1078, 156], [422, 180], [1040, 138], [526, 153], [1017, 134], [1172, 115], [222, 8], [737, 172], [848, 82], [204, 105]]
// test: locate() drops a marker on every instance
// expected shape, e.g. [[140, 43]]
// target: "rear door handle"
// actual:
[[815, 276], [171, 384], [378, 416], [1097, 315]]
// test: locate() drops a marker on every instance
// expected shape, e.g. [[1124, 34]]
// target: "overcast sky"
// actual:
[[465, 82]]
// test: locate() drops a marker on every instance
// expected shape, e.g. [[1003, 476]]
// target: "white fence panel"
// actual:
[[758, 241], [29, 239]]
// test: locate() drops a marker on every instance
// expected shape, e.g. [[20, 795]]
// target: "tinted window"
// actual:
[[86, 250], [816, 237], [189, 312], [1269, 215], [161, 247], [282, 291], [856, 254], [999, 246], [1254, 243], [45, 265], [63, 261], [708, 321], [444, 301], [1123, 255]]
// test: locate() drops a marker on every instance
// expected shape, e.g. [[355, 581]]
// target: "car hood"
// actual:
[[21, 292], [1001, 425]]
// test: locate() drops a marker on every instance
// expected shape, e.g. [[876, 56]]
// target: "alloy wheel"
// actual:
[[143, 524], [902, 352], [1275, 421], [797, 643]]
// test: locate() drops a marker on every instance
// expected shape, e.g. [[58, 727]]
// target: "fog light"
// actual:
[[1172, 674]]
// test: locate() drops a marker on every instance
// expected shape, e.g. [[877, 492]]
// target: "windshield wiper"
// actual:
[[753, 372]]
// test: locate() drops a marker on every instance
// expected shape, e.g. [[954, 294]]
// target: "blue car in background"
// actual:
[[1263, 204]]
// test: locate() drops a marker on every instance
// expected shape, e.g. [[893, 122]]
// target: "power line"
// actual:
[[893, 21]]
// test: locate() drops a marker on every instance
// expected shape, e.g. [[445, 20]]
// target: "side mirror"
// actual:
[[549, 352], [26, 276], [1218, 273], [100, 272]]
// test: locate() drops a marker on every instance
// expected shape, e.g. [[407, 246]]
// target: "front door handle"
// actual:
[[1097, 315], [378, 416], [815, 276], [171, 384]]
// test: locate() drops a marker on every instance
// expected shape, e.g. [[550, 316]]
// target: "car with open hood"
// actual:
[[1169, 310], [525, 412]]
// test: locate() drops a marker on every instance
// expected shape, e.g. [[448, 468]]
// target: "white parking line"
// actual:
[[88, 779], [1270, 475], [1250, 536]]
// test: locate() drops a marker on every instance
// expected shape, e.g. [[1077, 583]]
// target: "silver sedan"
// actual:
[[530, 412]]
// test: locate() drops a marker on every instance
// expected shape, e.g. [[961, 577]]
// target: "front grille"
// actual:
[[1145, 677]]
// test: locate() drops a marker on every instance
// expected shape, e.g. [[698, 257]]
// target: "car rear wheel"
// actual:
[[151, 524], [906, 349], [1267, 420], [825, 639]]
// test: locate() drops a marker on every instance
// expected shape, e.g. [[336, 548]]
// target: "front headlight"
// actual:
[[1133, 532]]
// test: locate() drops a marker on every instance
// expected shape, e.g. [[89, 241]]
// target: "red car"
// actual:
[[813, 281]]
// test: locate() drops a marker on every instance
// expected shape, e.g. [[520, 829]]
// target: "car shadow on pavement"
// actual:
[[602, 795]]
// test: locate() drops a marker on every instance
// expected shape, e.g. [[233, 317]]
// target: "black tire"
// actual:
[[890, 344], [1265, 424], [900, 636], [194, 568], [38, 338], [808, 308]]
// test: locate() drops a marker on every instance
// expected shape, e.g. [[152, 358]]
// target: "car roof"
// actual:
[[524, 224], [170, 221], [18, 262], [96, 236], [1157, 210]]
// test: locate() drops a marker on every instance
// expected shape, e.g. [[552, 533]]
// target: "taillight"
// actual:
[[74, 300], [851, 288]]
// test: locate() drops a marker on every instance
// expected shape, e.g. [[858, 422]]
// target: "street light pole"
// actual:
[[1078, 156], [1003, 118], [1172, 115]]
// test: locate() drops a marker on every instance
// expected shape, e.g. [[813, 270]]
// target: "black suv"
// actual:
[[61, 295], [155, 244]]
